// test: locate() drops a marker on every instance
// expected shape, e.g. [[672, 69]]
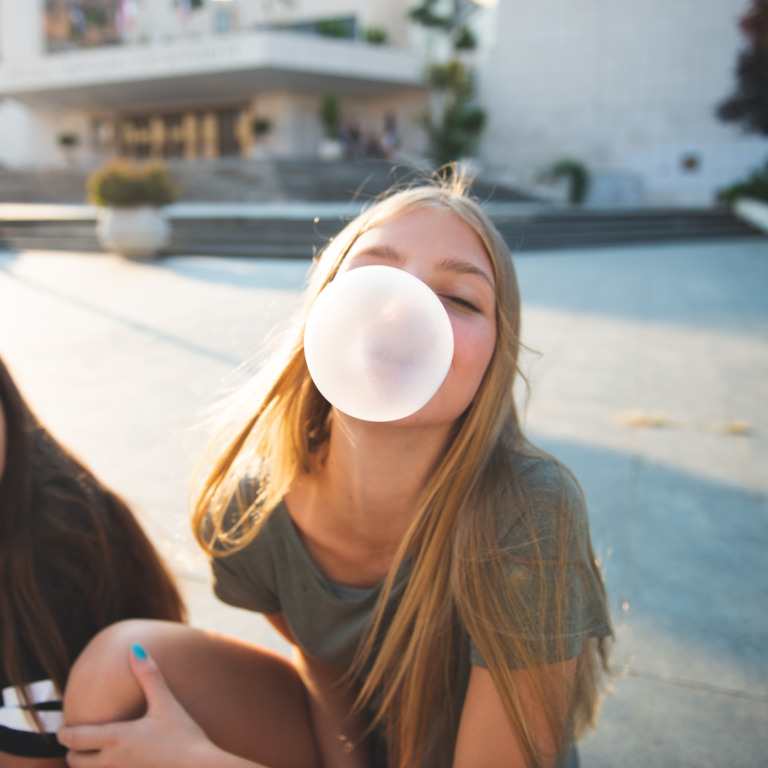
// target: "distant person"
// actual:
[[350, 137], [73, 560], [389, 142], [434, 573]]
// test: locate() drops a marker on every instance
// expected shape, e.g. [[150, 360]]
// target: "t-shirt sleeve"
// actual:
[[243, 583], [557, 607], [246, 578]]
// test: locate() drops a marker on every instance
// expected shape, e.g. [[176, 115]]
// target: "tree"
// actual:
[[455, 129], [748, 105], [457, 120]]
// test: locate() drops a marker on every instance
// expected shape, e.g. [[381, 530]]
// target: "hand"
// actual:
[[165, 736]]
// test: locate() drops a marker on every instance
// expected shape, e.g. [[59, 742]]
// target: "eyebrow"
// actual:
[[450, 264]]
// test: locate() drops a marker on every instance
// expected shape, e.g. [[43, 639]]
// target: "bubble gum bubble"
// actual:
[[378, 343]]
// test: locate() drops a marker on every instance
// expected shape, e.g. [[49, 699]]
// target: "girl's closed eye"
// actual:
[[460, 302]]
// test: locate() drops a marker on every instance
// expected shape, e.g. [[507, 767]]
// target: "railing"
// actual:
[[87, 24]]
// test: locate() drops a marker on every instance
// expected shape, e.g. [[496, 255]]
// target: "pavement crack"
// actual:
[[693, 685]]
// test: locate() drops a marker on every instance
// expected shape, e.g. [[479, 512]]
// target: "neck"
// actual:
[[355, 505], [374, 474]]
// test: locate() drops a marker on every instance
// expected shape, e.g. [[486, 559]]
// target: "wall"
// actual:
[[296, 129], [30, 139], [627, 88], [21, 37]]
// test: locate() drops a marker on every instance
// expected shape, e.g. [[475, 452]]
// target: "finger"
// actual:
[[83, 759], [151, 680], [84, 738]]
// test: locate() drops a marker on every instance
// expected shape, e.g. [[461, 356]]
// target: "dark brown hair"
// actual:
[[73, 558]]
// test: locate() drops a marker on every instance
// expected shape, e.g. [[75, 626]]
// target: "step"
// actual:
[[262, 232]]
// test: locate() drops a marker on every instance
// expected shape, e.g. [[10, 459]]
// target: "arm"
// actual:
[[165, 736], [486, 737], [329, 705], [14, 761], [243, 699]]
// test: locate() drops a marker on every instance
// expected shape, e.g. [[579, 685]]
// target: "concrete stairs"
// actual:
[[230, 228], [282, 237], [243, 181]]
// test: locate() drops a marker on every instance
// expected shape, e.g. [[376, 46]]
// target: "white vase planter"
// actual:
[[330, 150], [137, 233], [754, 212]]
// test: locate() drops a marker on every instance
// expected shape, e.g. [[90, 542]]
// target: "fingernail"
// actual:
[[138, 652]]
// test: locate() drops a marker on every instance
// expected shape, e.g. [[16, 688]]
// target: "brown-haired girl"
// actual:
[[434, 573], [73, 560]]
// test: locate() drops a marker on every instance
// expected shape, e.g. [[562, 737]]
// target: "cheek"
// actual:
[[473, 349]]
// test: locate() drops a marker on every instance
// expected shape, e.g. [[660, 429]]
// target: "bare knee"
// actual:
[[249, 701], [101, 687]]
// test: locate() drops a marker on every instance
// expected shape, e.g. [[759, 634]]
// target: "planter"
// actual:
[[136, 233], [330, 150], [754, 212]]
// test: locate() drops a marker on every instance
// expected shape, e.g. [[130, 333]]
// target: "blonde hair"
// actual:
[[460, 573]]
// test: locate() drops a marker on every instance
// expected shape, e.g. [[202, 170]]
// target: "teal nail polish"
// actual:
[[138, 652]]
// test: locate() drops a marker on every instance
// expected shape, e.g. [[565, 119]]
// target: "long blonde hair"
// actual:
[[460, 574]]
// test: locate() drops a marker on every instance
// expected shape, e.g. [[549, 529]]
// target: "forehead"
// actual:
[[426, 232]]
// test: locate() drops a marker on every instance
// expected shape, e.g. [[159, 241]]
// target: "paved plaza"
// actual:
[[648, 371]]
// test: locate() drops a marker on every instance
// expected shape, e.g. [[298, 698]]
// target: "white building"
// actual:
[[628, 89], [165, 78]]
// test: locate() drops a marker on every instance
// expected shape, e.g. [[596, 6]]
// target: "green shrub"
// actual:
[[453, 77], [67, 139], [465, 40], [330, 114], [425, 15], [375, 35], [121, 184], [333, 28], [261, 126], [755, 185], [578, 177]]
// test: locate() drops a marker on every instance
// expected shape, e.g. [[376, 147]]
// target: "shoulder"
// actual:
[[544, 472], [247, 576], [224, 519], [546, 501], [542, 481]]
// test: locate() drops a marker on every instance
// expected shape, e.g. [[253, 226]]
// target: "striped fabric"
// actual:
[[18, 733]]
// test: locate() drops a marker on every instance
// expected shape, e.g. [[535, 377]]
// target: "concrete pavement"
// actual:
[[648, 378]]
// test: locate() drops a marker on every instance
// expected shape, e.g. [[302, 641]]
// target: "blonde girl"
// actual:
[[434, 574]]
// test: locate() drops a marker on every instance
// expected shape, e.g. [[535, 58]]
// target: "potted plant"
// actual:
[[329, 114], [339, 28], [260, 128], [375, 35], [131, 221], [68, 141], [748, 198]]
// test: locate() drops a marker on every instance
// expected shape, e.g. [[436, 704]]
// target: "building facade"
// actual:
[[629, 90], [185, 79]]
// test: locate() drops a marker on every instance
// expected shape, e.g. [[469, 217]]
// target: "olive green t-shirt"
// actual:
[[275, 574]]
